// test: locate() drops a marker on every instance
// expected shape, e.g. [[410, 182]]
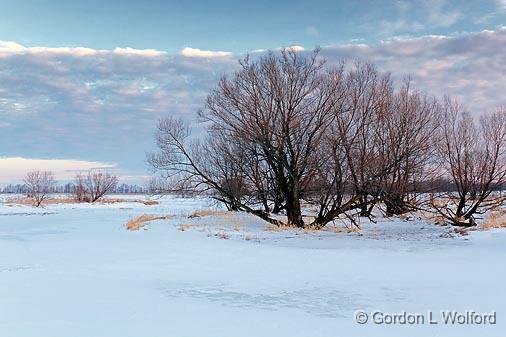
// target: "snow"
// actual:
[[74, 270]]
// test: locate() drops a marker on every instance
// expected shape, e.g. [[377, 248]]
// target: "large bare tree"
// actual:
[[286, 129], [281, 105], [39, 184], [277, 108]]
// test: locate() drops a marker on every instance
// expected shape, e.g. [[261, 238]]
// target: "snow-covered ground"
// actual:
[[71, 270]]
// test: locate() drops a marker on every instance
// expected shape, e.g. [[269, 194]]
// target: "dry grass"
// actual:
[[208, 212], [237, 228], [141, 221], [333, 229], [150, 202], [436, 219], [30, 201], [457, 231], [50, 201], [185, 227], [222, 235], [312, 229], [496, 219], [282, 228], [341, 230], [439, 201]]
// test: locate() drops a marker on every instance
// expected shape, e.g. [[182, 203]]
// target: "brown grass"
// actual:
[[50, 201], [310, 229], [141, 221], [496, 219], [440, 201], [207, 212], [341, 230], [185, 227], [282, 228], [150, 202], [222, 234], [432, 217]]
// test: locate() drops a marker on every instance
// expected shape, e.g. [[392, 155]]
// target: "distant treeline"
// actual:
[[70, 188]]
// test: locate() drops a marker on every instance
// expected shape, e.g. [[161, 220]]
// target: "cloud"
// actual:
[[195, 52], [13, 169], [430, 14], [103, 105], [8, 48], [296, 48], [139, 52], [469, 67], [96, 105]]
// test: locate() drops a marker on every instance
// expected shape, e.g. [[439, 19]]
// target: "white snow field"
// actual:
[[72, 270]]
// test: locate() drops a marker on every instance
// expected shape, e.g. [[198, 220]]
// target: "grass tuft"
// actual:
[[141, 221], [496, 219], [208, 212]]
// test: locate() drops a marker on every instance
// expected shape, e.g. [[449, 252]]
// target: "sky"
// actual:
[[82, 83]]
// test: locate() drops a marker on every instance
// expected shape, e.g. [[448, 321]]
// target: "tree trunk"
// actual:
[[460, 206], [365, 208], [278, 205], [293, 211], [396, 205]]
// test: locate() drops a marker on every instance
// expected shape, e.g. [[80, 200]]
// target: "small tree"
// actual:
[[80, 192], [94, 185], [99, 184], [474, 156], [39, 184]]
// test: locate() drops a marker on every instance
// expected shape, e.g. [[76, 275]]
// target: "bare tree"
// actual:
[[357, 131], [474, 156], [79, 189], [192, 167], [99, 184], [39, 185], [281, 105], [94, 185], [380, 140], [285, 129], [409, 148]]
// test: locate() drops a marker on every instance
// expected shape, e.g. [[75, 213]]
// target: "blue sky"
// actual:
[[237, 26], [82, 83]]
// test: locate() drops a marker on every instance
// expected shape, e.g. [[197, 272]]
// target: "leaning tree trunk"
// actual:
[[366, 208], [396, 205]]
